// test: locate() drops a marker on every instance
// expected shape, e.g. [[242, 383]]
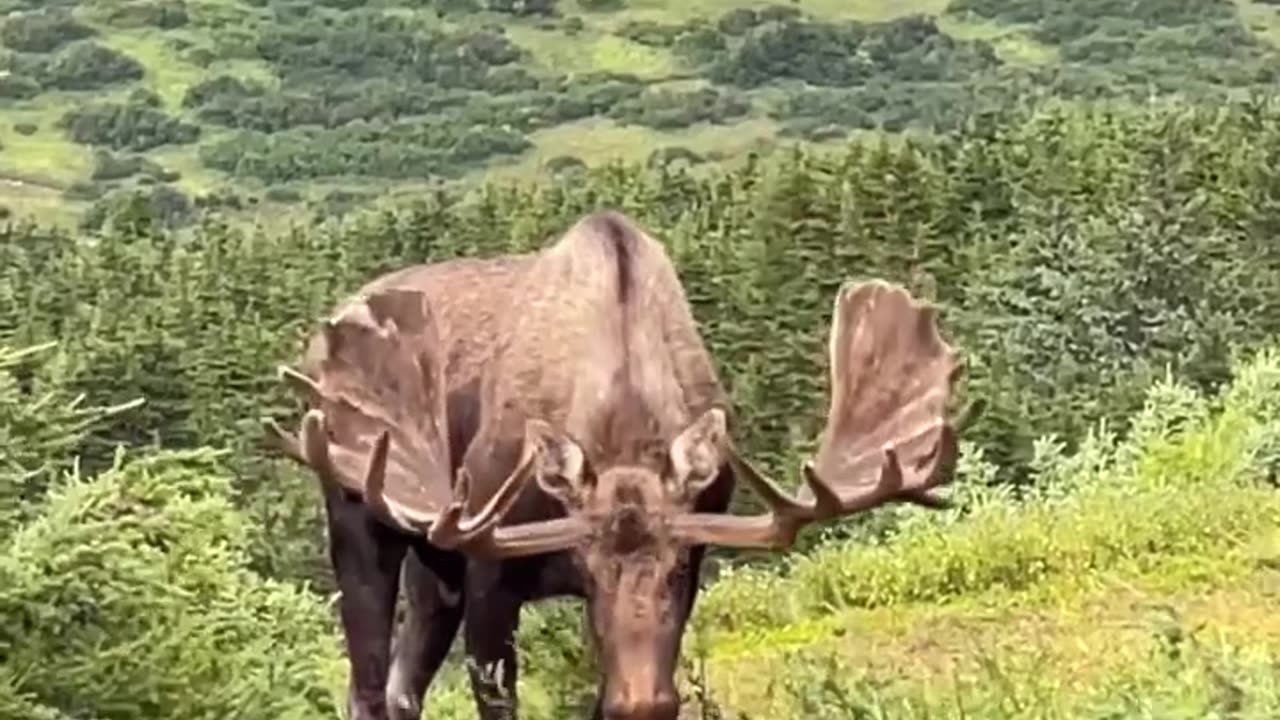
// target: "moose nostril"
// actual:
[[659, 706]]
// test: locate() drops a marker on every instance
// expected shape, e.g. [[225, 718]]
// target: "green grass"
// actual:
[[1052, 650], [1011, 43], [1262, 18], [47, 155], [598, 141], [44, 205], [592, 51]]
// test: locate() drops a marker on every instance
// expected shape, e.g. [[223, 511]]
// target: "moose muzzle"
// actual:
[[632, 701]]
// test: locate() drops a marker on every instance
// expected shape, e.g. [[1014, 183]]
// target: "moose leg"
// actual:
[[492, 618], [435, 611], [366, 559]]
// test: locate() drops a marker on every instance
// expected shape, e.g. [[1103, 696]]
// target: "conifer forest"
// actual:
[[1087, 191]]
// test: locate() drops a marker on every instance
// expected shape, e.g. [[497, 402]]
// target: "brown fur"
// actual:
[[594, 336], [579, 367]]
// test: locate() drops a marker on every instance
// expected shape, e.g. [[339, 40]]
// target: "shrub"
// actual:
[[667, 109], [85, 65], [131, 591], [162, 14], [126, 126], [18, 87], [42, 32]]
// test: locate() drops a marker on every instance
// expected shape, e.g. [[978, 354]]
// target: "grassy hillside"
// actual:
[[269, 109]]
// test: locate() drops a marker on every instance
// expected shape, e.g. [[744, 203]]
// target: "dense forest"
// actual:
[[257, 109], [1089, 192]]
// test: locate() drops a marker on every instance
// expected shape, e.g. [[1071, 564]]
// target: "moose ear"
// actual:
[[560, 464], [698, 453]]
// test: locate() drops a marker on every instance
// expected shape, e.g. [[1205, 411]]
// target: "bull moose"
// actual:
[[551, 424]]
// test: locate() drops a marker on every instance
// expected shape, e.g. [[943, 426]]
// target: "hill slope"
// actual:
[[244, 104]]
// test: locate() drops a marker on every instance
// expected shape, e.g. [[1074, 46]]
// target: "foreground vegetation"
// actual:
[[1135, 581], [1106, 269], [262, 108]]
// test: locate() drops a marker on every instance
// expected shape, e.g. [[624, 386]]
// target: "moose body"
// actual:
[[551, 424]]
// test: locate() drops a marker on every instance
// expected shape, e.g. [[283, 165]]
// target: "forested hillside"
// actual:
[[269, 109], [1110, 272], [1089, 190]]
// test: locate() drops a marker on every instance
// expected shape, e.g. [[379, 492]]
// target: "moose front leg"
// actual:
[[366, 559], [432, 584], [492, 618]]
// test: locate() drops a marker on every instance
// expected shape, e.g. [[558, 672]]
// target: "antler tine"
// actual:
[[453, 531], [284, 441], [301, 385], [483, 533], [829, 504], [315, 447], [375, 480]]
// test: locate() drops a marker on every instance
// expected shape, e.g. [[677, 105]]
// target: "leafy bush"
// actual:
[[910, 49], [86, 65], [130, 591], [403, 151], [126, 126], [648, 32], [42, 32], [522, 7], [738, 21], [160, 205], [163, 14], [665, 109], [1078, 19], [107, 166], [18, 87]]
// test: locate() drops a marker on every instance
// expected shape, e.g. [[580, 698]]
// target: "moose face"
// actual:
[[639, 576]]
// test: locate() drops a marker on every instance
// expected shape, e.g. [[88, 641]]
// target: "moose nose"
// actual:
[[660, 705]]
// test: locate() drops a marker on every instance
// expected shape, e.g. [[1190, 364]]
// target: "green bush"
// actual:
[[126, 126], [85, 65], [130, 595], [910, 49], [42, 32], [163, 14]]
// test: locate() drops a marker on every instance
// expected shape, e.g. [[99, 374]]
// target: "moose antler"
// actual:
[[887, 436], [541, 455], [377, 423]]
